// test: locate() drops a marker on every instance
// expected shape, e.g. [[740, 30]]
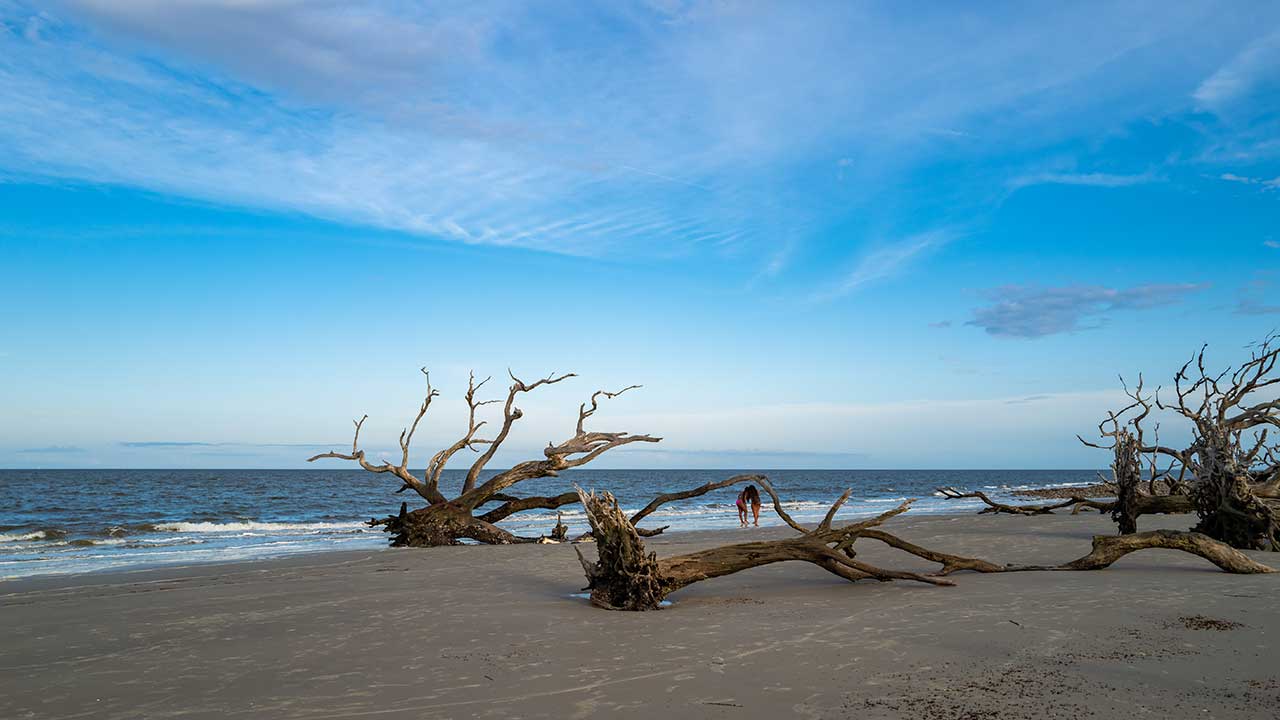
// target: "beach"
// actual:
[[496, 632]]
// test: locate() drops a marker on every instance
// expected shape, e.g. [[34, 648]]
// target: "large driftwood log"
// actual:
[[998, 507], [626, 576], [1108, 549]]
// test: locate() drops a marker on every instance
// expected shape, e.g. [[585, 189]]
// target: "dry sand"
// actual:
[[492, 632]]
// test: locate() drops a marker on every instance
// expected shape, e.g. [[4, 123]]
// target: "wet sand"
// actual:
[[493, 632]]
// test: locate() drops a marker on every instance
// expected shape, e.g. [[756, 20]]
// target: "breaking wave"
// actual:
[[259, 527]]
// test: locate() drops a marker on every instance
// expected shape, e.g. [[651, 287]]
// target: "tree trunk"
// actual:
[[1126, 470], [627, 577], [1107, 550]]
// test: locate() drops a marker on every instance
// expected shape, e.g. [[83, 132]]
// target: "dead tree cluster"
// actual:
[[1122, 433], [473, 513], [1228, 473], [1229, 481], [1230, 462]]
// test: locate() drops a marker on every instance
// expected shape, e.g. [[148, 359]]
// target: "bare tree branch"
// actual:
[[510, 414]]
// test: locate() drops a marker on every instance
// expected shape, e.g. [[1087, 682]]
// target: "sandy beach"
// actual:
[[494, 632]]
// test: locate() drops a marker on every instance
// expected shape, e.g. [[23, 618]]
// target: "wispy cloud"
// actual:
[[52, 450], [1103, 180], [1273, 244], [621, 128], [1253, 67], [940, 324], [1269, 184], [1255, 306], [165, 444], [753, 453], [888, 260], [1254, 297], [1027, 399], [160, 444], [1033, 312]]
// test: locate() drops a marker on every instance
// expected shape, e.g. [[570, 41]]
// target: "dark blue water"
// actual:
[[72, 521]]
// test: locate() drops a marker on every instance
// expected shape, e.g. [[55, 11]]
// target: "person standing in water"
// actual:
[[749, 495]]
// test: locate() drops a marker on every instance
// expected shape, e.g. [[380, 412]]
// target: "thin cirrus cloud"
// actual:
[[1265, 183], [1252, 70], [169, 444], [1034, 312], [626, 128], [888, 260], [52, 450], [1093, 179], [1027, 399], [1255, 306], [1254, 296]]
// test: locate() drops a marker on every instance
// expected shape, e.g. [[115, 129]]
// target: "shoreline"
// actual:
[[775, 529], [128, 519], [493, 631]]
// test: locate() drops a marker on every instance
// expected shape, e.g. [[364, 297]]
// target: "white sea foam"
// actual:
[[20, 537], [259, 527]]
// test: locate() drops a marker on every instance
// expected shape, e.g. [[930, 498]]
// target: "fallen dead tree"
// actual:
[[448, 520], [998, 507], [625, 576], [1141, 505]]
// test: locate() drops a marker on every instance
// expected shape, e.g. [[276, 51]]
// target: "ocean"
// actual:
[[77, 521]]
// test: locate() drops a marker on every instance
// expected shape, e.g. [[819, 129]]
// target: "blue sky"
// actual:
[[820, 234]]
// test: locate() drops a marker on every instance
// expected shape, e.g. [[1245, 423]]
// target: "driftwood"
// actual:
[[997, 507], [560, 532], [1140, 504], [625, 576], [447, 521], [1108, 549], [1229, 473], [1229, 450], [1122, 433]]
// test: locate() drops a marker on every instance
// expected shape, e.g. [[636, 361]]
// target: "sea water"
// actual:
[[74, 521]]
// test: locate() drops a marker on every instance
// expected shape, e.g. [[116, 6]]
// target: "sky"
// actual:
[[827, 235]]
